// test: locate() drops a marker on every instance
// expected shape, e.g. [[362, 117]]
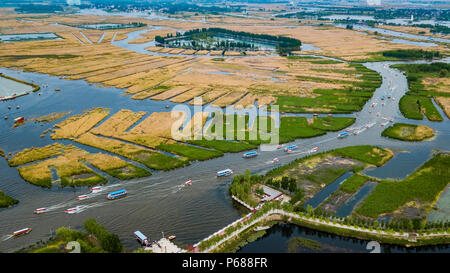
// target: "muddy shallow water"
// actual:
[[160, 203]]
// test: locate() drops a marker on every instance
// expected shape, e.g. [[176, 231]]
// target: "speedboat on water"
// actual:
[[250, 154], [290, 148], [22, 231], [187, 183], [117, 194], [275, 160], [224, 173], [41, 210], [96, 189], [82, 197], [72, 210]]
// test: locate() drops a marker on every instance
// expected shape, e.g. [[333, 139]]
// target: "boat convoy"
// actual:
[[122, 193]]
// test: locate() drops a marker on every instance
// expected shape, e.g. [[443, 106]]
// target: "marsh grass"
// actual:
[[408, 132], [423, 185]]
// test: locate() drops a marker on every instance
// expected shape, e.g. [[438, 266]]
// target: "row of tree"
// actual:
[[284, 45]]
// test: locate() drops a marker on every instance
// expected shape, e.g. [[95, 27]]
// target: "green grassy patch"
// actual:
[[366, 153], [225, 146], [408, 132], [33, 154], [424, 185], [190, 152], [7, 201], [332, 123], [353, 183], [347, 100], [417, 101], [128, 172], [96, 240]]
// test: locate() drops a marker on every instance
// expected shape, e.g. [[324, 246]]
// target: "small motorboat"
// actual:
[[96, 189], [315, 149], [72, 210], [6, 117], [117, 194], [171, 237], [278, 146], [275, 160], [224, 173], [188, 183], [22, 231], [19, 119], [82, 197], [250, 154], [40, 210], [342, 135], [290, 148]]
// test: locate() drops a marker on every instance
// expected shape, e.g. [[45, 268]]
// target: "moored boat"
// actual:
[[342, 135], [22, 231], [171, 237], [275, 160], [117, 194], [142, 239]]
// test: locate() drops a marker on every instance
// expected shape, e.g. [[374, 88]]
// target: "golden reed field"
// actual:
[[226, 80]]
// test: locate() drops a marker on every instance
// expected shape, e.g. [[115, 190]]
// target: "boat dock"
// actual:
[[164, 245]]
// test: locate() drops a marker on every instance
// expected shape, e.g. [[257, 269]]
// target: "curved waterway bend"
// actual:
[[160, 203]]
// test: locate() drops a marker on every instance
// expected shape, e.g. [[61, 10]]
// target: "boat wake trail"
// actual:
[[7, 237]]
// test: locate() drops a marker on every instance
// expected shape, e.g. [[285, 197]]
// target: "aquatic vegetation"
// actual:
[[149, 158], [96, 239], [423, 185], [7, 201], [408, 132], [296, 242], [353, 183], [332, 123], [77, 125], [424, 81], [70, 165], [34, 154], [366, 153], [51, 117], [350, 97]]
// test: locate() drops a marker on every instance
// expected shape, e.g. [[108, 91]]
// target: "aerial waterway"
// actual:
[[159, 203]]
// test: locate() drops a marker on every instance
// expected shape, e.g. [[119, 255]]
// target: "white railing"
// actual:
[[306, 219]]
